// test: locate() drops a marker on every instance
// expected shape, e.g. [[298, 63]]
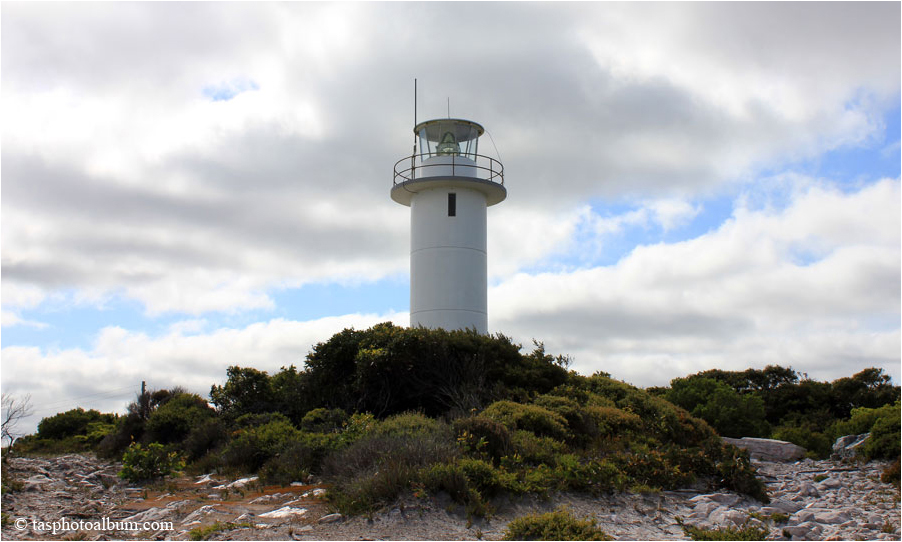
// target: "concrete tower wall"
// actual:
[[448, 266]]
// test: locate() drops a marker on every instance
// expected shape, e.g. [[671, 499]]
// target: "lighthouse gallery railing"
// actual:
[[493, 167]]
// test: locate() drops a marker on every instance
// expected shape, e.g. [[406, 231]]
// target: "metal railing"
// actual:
[[487, 164]]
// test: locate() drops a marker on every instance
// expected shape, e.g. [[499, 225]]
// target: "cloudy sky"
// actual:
[[690, 186]]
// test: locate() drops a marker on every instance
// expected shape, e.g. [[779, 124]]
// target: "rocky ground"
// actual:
[[811, 500]]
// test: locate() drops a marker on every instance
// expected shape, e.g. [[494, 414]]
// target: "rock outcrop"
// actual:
[[847, 446], [767, 449]]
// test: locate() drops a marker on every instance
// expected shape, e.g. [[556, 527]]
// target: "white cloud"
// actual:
[[740, 295], [122, 177], [185, 356]]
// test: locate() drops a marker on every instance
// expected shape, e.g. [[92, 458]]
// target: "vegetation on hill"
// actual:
[[779, 403], [388, 411]]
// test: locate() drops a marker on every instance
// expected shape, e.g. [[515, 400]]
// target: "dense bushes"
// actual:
[[388, 370], [389, 411], [884, 426], [140, 463], [728, 412], [173, 421], [72, 423]]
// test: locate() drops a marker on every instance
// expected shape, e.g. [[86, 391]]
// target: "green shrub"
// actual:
[[207, 435], [141, 464], [358, 426], [580, 424], [447, 477], [408, 424], [254, 446], [71, 423], [485, 478], [730, 413], [297, 460], [129, 429], [735, 471], [885, 437], [817, 444], [247, 391], [884, 425], [613, 421], [323, 420], [540, 421], [174, 419], [375, 470], [535, 450], [726, 533], [483, 437], [594, 476], [559, 525]]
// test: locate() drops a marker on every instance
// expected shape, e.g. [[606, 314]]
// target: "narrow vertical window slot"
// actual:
[[452, 204]]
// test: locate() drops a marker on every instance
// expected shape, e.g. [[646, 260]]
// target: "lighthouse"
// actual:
[[448, 186]]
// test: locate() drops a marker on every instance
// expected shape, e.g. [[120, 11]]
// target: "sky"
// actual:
[[189, 186]]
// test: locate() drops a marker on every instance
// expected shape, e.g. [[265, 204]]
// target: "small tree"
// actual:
[[14, 409]]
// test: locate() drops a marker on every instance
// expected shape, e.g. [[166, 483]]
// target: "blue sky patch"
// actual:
[[227, 90]]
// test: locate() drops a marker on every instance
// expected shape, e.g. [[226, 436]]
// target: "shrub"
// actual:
[[891, 474], [483, 437], [485, 478], [535, 450], [818, 445], [208, 435], [885, 436], [540, 421], [613, 421], [71, 423], [357, 427], [730, 413], [173, 420], [469, 482], [374, 470], [323, 420], [292, 464], [736, 472], [594, 476], [408, 424], [140, 464], [253, 446], [725, 533], [559, 525], [884, 425], [247, 391], [129, 429]]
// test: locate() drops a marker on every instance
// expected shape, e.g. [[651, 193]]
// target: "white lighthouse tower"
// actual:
[[448, 186]]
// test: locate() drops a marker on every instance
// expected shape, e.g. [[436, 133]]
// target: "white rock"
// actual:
[[830, 483], [284, 512], [151, 514], [768, 449], [330, 518], [204, 479], [832, 517], [201, 513]]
